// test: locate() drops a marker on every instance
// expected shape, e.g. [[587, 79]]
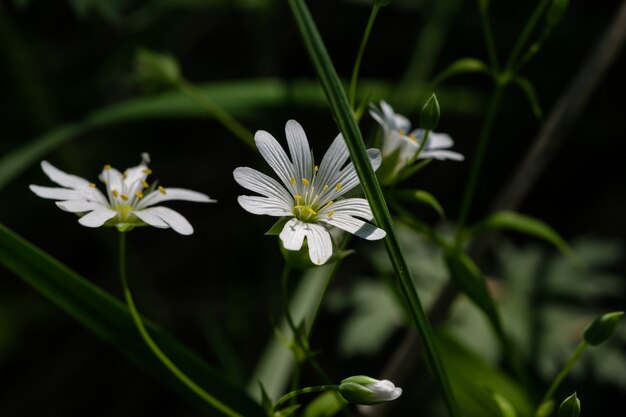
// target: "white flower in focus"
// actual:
[[398, 137], [365, 390], [129, 199], [308, 193]]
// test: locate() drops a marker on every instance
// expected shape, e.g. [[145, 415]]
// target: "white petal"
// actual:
[[334, 158], [378, 116], [172, 218], [54, 193], [437, 141], [97, 217], [300, 150], [293, 234], [264, 205], [276, 157], [79, 206], [135, 174], [149, 217], [258, 182], [355, 226], [62, 178], [320, 243], [358, 207], [348, 177], [113, 179], [156, 197], [442, 155], [394, 120]]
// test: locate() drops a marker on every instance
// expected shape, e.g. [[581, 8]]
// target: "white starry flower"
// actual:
[[307, 194], [398, 137], [129, 199]]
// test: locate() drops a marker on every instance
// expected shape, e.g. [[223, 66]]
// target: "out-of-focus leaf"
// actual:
[[529, 89], [424, 197], [505, 407], [462, 66], [326, 405], [510, 220], [474, 381], [110, 320]]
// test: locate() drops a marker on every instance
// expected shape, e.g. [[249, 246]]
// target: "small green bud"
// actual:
[[364, 390], [570, 407], [556, 11], [156, 70], [429, 117], [602, 328]]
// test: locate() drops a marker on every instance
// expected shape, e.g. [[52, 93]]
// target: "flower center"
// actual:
[[312, 198]]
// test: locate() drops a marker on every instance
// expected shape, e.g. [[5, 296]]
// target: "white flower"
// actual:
[[129, 201], [365, 390], [398, 137], [308, 193]]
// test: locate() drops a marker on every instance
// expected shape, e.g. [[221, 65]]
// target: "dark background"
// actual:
[[58, 62]]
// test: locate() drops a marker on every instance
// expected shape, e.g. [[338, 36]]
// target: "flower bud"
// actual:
[[155, 70], [570, 407], [364, 390], [429, 117], [602, 328]]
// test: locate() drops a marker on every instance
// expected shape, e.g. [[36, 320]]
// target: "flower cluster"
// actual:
[[129, 199]]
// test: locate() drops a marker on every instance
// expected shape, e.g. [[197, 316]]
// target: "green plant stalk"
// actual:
[[152, 344], [217, 112], [526, 32], [479, 156], [491, 46], [348, 126], [359, 57], [307, 390], [564, 372]]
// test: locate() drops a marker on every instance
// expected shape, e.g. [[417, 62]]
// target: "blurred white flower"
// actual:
[[128, 202], [308, 193]]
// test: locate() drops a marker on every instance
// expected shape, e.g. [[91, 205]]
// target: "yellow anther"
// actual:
[[411, 136], [92, 185], [144, 184], [325, 187], [305, 181], [124, 197], [311, 211], [139, 194], [292, 180], [115, 193], [107, 167], [162, 190], [147, 171], [401, 132], [297, 206], [330, 203], [330, 213], [338, 186], [297, 197], [125, 174], [316, 168]]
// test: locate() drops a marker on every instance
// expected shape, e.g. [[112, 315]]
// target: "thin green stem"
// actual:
[[152, 344], [217, 112], [359, 57], [344, 116], [491, 46], [526, 32], [564, 372], [472, 182], [307, 390]]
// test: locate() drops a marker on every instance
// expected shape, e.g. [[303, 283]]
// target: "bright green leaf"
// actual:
[[529, 89], [462, 66], [421, 196], [326, 405], [505, 407]]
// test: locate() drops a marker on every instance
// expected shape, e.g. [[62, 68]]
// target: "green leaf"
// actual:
[[421, 196], [326, 405], [529, 89], [277, 227], [505, 407], [462, 66], [109, 319], [510, 220]]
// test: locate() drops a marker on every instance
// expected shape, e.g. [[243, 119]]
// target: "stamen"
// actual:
[[305, 181], [162, 190], [298, 206], [92, 185], [147, 171], [115, 193], [330, 213], [325, 187], [124, 197], [145, 184], [316, 168], [412, 136], [125, 174], [292, 180], [338, 186], [311, 211], [139, 194], [330, 203], [401, 132], [297, 197], [107, 167]]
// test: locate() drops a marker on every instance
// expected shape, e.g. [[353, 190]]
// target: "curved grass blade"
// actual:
[[110, 320]]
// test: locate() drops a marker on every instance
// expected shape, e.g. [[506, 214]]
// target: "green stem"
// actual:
[[344, 116], [217, 112], [152, 344], [307, 390], [491, 48], [526, 32], [564, 372], [359, 57], [472, 181]]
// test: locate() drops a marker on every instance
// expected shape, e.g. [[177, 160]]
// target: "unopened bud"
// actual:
[[602, 328], [155, 70], [429, 117], [570, 407], [364, 390]]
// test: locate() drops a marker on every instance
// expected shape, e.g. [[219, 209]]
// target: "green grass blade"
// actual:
[[347, 124], [110, 320]]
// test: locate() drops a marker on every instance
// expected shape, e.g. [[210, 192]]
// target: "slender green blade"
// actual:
[[109, 319]]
